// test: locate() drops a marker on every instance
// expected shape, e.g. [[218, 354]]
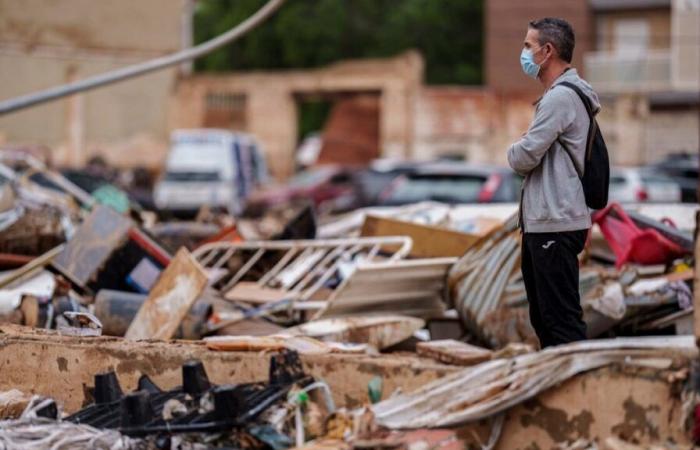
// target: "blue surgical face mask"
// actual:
[[527, 62]]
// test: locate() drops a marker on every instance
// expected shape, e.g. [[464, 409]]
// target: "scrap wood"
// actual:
[[252, 292], [300, 344], [226, 318], [450, 351], [250, 327], [98, 236], [492, 387], [244, 343], [170, 299], [428, 241], [380, 331]]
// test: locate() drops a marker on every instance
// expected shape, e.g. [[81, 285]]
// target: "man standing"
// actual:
[[554, 217]]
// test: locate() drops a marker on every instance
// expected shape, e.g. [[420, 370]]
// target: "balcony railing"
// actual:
[[618, 72]]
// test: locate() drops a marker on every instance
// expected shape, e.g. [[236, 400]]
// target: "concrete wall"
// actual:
[[271, 113], [475, 123], [638, 404], [47, 43]]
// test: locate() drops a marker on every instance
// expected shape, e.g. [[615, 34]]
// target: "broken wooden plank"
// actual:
[[252, 292], [378, 331], [301, 344], [450, 351], [428, 241], [170, 299], [100, 234]]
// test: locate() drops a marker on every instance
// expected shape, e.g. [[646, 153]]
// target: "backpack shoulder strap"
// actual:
[[591, 128], [584, 98]]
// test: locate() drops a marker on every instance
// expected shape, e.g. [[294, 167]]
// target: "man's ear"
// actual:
[[552, 50]]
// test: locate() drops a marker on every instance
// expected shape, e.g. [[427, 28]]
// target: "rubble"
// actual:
[[170, 299], [419, 311], [380, 331], [110, 252], [428, 241], [484, 390]]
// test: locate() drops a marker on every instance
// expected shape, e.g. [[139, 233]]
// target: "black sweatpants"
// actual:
[[550, 272]]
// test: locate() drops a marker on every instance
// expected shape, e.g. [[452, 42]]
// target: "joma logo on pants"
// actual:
[[548, 244]]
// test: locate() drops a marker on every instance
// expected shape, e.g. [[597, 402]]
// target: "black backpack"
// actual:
[[596, 171]]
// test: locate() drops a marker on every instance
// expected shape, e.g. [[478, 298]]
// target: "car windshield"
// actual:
[[617, 180], [650, 177], [449, 189]]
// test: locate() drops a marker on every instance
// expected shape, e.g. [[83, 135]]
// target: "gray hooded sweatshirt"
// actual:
[[553, 199]]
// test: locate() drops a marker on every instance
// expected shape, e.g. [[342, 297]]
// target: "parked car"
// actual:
[[454, 183], [379, 175], [634, 184], [683, 169], [329, 188], [211, 167]]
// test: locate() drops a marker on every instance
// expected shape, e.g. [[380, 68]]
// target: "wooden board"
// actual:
[[428, 241], [302, 345], [252, 292], [170, 299], [96, 239], [454, 352]]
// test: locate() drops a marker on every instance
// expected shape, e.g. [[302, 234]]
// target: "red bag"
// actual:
[[632, 244]]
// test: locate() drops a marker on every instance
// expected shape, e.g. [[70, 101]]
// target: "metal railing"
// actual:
[[299, 268]]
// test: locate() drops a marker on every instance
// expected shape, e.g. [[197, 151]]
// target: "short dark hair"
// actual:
[[557, 32]]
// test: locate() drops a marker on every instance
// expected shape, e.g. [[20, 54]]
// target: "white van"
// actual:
[[218, 168]]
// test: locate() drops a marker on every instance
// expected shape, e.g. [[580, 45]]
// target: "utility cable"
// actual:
[[25, 101]]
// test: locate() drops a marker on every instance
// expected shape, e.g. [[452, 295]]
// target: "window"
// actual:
[[225, 110], [631, 37]]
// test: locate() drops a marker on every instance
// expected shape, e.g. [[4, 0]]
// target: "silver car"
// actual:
[[635, 185]]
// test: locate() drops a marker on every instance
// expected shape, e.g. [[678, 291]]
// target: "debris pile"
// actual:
[[428, 281]]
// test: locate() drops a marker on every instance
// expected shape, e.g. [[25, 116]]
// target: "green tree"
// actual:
[[312, 33]]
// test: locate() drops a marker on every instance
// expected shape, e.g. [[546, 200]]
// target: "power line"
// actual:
[[135, 70]]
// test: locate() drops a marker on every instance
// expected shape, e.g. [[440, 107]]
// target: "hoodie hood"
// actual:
[[572, 76]]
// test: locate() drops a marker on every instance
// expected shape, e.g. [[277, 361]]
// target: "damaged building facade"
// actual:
[[381, 108], [47, 46]]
